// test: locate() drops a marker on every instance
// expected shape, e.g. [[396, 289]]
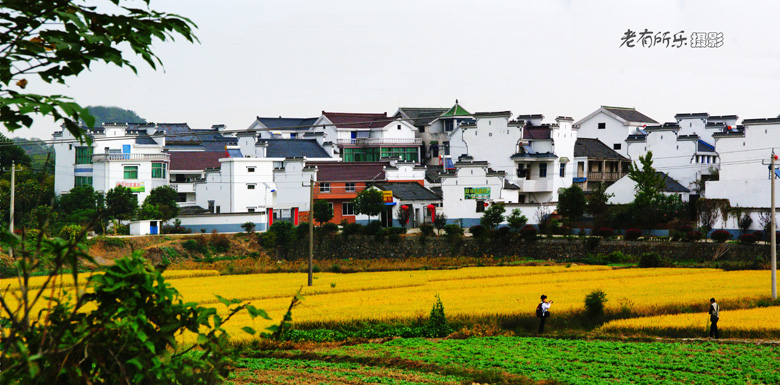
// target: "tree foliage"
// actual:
[[403, 215], [57, 40], [103, 114], [10, 153], [369, 202], [33, 190], [121, 203], [493, 216], [651, 206], [516, 220], [323, 211], [160, 204], [571, 203], [79, 205]]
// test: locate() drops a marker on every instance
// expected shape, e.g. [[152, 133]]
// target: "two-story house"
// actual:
[[612, 125]]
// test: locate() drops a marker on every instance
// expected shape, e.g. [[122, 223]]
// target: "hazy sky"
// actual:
[[555, 57]]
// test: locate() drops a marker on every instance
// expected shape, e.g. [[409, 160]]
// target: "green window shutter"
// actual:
[[131, 172]]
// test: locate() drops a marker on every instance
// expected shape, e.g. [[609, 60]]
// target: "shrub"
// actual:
[[372, 228], [633, 234], [502, 232], [426, 229], [685, 229], [302, 231], [380, 235], [193, 245], [219, 242], [720, 236], [122, 229], [453, 230], [477, 231], [605, 232], [394, 238], [650, 260], [437, 323], [748, 239], [617, 257], [396, 230], [329, 228], [248, 227], [71, 232], [759, 235], [352, 229], [528, 232], [267, 240], [693, 235], [594, 304]]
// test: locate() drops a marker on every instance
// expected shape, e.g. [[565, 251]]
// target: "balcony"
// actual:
[[597, 176], [376, 142], [97, 158], [532, 185], [183, 187]]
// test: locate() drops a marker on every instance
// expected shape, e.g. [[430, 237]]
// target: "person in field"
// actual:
[[714, 317], [543, 312]]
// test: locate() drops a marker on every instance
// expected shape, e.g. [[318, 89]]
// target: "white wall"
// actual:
[[454, 203], [493, 140], [675, 157], [615, 131], [405, 171]]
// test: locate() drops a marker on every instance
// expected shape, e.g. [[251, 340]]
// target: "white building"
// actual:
[[470, 189], [435, 127], [624, 190], [744, 177], [129, 155], [612, 125]]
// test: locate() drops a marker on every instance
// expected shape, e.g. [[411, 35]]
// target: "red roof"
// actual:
[[195, 160], [358, 120], [536, 132], [350, 171]]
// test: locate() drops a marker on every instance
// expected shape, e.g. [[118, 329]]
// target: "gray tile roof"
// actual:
[[409, 191], [422, 116], [703, 146], [630, 114], [594, 148], [287, 123], [288, 148], [671, 184], [144, 139]]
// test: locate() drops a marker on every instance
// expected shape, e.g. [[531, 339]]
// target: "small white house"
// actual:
[[145, 227], [612, 125], [625, 189]]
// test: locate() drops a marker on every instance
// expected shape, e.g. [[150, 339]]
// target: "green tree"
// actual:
[[121, 203], [597, 204], [57, 40], [323, 211], [369, 202], [649, 182], [516, 220], [160, 204], [78, 206], [103, 114], [33, 190], [440, 222], [403, 215], [493, 216], [571, 203], [9, 153]]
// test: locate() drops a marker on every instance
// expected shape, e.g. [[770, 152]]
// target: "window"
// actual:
[[324, 187], [347, 208], [251, 210], [181, 197], [251, 169], [542, 170], [83, 181], [211, 206], [616, 146], [83, 155], [131, 172], [218, 209], [159, 170], [563, 170], [349, 187], [250, 186], [398, 127], [480, 206], [602, 126], [293, 136]]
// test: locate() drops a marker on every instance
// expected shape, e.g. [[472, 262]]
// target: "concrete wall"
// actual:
[[614, 133], [223, 223]]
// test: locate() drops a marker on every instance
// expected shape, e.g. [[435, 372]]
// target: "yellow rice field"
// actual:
[[469, 291], [759, 322]]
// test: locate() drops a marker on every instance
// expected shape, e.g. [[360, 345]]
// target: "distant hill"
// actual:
[[104, 114], [38, 151]]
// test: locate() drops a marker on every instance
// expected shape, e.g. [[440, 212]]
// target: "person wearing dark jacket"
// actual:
[[714, 317]]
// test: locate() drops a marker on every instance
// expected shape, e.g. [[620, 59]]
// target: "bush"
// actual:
[[720, 236], [693, 235], [219, 242], [329, 228], [437, 324], [632, 234], [122, 229], [372, 228], [685, 229], [394, 238], [650, 260], [605, 232], [380, 235], [248, 227], [396, 230], [528, 232], [453, 230], [594, 304], [267, 240], [352, 229], [71, 232], [502, 232], [193, 245], [748, 239], [426, 229], [477, 231], [759, 235], [302, 231]]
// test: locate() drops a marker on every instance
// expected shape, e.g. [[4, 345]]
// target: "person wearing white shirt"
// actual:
[[714, 317], [545, 312]]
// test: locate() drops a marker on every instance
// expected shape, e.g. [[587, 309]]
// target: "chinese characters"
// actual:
[[667, 39]]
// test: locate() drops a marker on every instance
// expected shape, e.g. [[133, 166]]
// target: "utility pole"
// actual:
[[13, 192], [773, 235], [311, 227]]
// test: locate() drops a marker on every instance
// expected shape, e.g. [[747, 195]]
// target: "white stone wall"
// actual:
[[615, 131]]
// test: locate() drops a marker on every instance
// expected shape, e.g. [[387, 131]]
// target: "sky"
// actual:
[[296, 58]]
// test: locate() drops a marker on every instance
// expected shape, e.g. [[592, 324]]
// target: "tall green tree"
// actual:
[[651, 206], [571, 203], [10, 153], [493, 216], [161, 204], [33, 189], [323, 211], [121, 203], [56, 40], [369, 202], [78, 206]]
